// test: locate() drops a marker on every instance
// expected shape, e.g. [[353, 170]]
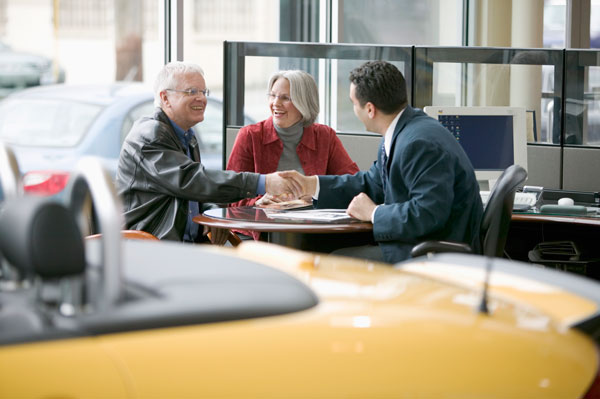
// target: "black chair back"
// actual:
[[498, 211], [40, 237]]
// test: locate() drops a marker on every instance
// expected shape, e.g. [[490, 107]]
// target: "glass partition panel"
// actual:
[[529, 78], [328, 63], [582, 97], [343, 118]]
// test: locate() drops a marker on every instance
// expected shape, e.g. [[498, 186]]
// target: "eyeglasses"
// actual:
[[192, 92], [283, 97]]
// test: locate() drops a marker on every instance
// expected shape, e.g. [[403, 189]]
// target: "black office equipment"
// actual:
[[566, 256]]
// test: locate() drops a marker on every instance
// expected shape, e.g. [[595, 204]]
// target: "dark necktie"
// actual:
[[383, 162], [194, 208]]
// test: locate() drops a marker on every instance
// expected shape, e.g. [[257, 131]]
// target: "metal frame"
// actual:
[[568, 65]]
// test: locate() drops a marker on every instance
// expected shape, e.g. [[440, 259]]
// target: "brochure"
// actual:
[[293, 204], [316, 215]]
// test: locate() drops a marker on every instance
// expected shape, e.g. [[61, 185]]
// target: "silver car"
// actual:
[[19, 70]]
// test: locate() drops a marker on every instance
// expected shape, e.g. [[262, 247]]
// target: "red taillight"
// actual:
[[45, 182]]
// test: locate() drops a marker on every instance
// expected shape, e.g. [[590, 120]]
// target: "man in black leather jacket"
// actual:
[[160, 177]]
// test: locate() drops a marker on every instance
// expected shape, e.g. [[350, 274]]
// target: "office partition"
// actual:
[[581, 151], [328, 63], [559, 87], [489, 76]]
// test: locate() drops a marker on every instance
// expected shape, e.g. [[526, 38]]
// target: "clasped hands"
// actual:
[[289, 185], [279, 186]]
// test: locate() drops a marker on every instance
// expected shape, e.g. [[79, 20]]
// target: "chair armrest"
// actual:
[[233, 238], [128, 235], [428, 247]]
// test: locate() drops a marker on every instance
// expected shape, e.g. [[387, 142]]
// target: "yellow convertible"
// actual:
[[139, 319]]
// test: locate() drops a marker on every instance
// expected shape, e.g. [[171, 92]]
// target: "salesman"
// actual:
[[160, 177], [422, 186]]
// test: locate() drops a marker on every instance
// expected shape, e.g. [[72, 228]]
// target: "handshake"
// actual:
[[289, 185]]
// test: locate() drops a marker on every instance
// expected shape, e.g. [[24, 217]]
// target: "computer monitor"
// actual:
[[493, 137]]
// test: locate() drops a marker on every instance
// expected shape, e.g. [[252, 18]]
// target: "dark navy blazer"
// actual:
[[432, 192]]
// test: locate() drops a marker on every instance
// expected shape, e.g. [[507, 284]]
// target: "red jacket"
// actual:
[[258, 148]]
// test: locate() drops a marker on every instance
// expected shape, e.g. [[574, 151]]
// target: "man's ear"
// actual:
[[371, 110], [164, 98]]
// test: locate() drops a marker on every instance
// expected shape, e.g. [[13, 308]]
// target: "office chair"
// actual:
[[494, 224]]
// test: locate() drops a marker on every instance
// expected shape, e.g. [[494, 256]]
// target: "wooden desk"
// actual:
[[301, 234], [547, 218]]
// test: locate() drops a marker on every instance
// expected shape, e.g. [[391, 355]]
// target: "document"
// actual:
[[293, 204], [316, 215]]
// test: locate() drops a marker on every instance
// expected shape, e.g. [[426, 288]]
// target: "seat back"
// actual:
[[498, 211], [40, 237]]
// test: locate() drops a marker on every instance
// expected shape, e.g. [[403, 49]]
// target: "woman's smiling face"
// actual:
[[284, 113]]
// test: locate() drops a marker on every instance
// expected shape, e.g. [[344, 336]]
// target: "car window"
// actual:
[[134, 114], [45, 123]]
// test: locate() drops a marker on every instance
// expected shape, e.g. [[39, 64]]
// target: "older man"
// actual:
[[160, 177]]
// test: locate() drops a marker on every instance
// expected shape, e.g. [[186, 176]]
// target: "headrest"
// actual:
[[41, 236]]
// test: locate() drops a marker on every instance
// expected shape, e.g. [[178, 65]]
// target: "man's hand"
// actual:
[[308, 184], [215, 235], [361, 207], [286, 189]]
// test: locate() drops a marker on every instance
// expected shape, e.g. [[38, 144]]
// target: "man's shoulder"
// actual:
[[151, 128], [418, 117], [422, 126]]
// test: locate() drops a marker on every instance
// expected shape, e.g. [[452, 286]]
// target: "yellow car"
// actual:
[[109, 318]]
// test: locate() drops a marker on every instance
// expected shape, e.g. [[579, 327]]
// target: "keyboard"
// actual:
[[523, 201]]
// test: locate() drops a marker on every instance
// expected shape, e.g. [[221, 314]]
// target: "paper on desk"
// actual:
[[317, 215], [293, 204]]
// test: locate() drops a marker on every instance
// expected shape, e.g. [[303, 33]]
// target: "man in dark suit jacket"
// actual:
[[422, 185]]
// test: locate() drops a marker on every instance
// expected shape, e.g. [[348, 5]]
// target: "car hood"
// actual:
[[569, 300], [376, 331]]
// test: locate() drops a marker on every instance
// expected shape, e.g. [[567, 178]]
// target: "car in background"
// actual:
[[19, 70], [49, 128]]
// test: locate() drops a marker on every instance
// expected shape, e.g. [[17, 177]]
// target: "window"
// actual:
[[87, 44], [555, 17], [398, 22], [78, 17]]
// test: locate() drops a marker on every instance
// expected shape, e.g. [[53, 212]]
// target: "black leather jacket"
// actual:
[[156, 179]]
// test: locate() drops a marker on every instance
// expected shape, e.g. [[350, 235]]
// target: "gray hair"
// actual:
[[169, 75], [303, 92]]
